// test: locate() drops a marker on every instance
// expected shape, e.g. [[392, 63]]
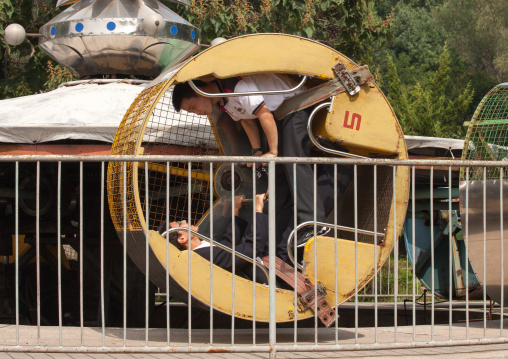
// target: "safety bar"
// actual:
[[316, 143], [310, 223], [220, 245], [236, 94]]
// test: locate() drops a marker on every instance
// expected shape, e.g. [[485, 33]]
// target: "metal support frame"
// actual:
[[291, 238]]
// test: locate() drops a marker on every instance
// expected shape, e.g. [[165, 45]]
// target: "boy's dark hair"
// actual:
[[172, 237], [181, 91]]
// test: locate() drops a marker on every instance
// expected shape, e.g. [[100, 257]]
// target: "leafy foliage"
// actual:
[[347, 25], [479, 32], [24, 68], [427, 108], [419, 37], [57, 75], [418, 40]]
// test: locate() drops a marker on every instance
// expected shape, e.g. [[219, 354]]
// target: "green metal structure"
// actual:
[[484, 194], [487, 136]]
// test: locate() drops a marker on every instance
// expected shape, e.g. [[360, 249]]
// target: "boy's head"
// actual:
[[180, 238], [173, 239], [184, 97], [181, 91]]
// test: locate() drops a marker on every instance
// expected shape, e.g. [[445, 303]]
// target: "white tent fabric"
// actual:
[[81, 112], [437, 142], [433, 146]]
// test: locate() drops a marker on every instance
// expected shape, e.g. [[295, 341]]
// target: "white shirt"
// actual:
[[247, 107], [203, 244]]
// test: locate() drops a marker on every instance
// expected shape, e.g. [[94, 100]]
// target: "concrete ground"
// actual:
[[460, 340], [427, 337]]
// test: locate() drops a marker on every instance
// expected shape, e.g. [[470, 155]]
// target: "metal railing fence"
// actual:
[[58, 336]]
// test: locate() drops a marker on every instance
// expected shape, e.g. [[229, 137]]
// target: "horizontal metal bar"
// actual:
[[252, 348], [254, 93], [177, 171], [437, 193], [220, 245], [251, 159]]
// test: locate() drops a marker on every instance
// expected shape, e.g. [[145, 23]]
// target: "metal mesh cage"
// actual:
[[166, 132], [365, 200], [487, 136]]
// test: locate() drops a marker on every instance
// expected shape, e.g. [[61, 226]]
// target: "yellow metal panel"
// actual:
[[264, 53], [223, 285], [364, 123], [325, 261], [22, 248]]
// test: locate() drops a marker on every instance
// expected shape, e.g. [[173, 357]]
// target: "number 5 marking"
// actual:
[[355, 117]]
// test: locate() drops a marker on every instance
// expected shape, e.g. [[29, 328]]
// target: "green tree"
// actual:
[[479, 32], [24, 68], [418, 40], [428, 109], [347, 25]]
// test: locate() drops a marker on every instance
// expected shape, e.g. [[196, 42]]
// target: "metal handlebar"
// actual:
[[236, 94], [309, 223], [220, 245], [316, 143]]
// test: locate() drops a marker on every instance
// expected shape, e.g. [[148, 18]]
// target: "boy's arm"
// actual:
[[251, 129], [270, 129]]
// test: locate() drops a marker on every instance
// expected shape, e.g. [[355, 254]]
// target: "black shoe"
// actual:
[[304, 236]]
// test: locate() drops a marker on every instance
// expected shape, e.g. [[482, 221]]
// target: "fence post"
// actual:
[[271, 252]]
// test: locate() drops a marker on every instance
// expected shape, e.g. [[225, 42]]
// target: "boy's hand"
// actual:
[[261, 199], [255, 154], [238, 204], [268, 154]]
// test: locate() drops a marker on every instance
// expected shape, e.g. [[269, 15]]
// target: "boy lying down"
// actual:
[[221, 257]]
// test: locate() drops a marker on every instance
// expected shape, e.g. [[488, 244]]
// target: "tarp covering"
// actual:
[[81, 112], [433, 146]]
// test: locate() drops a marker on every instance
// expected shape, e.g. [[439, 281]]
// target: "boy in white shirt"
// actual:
[[286, 138]]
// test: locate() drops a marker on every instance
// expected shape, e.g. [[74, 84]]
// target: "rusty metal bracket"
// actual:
[[307, 299], [346, 78], [318, 304]]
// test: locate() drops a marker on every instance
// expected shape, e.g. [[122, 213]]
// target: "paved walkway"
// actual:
[[491, 352], [344, 339]]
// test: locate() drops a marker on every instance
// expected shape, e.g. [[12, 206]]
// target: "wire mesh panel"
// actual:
[[483, 192], [487, 136], [165, 132], [188, 134]]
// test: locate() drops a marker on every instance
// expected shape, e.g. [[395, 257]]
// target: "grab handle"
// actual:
[[316, 143], [236, 94], [310, 223]]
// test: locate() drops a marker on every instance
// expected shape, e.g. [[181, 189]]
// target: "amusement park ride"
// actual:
[[103, 41]]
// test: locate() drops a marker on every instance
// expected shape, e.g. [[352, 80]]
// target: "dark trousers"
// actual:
[[295, 142]]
